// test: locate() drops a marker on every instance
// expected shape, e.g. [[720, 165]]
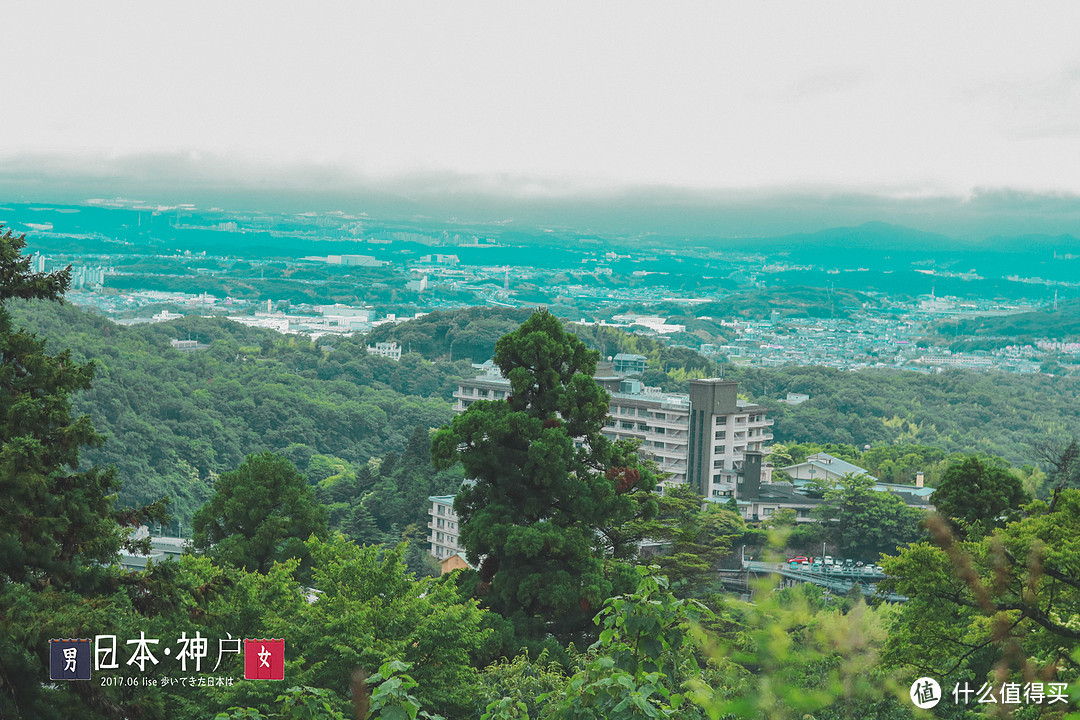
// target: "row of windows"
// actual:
[[445, 537], [482, 392], [626, 410], [447, 524]]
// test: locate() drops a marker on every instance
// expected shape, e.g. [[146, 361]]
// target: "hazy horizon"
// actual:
[[526, 202]]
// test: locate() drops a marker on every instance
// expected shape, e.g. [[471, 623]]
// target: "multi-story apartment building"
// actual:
[[701, 438], [444, 527], [708, 438]]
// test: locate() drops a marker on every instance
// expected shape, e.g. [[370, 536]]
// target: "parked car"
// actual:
[[828, 560], [797, 559]]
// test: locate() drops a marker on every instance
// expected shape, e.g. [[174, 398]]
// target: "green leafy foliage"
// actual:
[[382, 502], [367, 608], [863, 523], [956, 410], [391, 699], [261, 513], [1004, 603], [693, 539], [974, 496]]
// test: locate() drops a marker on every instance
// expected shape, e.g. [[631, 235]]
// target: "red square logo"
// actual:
[[264, 659]]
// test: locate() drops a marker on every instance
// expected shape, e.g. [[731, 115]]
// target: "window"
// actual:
[[766, 511], [642, 412], [660, 430], [718, 464], [483, 392], [718, 449], [717, 478], [642, 426], [721, 419], [440, 507], [658, 444], [721, 434], [442, 523]]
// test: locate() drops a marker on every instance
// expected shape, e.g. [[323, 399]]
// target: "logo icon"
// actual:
[[925, 693], [264, 659], [69, 659]]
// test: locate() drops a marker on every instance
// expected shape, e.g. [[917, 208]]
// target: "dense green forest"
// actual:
[[175, 420], [957, 411]]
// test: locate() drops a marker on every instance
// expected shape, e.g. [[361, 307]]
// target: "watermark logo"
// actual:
[[264, 659], [69, 659], [75, 658], [925, 693]]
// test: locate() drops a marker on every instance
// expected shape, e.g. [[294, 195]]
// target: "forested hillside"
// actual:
[[177, 419], [174, 420], [957, 411]]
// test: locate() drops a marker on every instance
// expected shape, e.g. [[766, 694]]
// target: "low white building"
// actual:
[[385, 349]]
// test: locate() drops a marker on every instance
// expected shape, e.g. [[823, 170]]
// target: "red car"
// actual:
[[799, 559]]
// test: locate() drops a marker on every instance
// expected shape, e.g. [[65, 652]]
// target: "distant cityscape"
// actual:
[[255, 268]]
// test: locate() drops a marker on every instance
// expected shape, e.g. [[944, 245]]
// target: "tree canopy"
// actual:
[[973, 493], [863, 523], [1007, 599], [59, 529], [261, 513]]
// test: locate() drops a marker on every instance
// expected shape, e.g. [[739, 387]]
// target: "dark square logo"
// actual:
[[69, 659]]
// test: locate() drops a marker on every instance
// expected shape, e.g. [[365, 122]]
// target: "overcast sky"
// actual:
[[906, 98]]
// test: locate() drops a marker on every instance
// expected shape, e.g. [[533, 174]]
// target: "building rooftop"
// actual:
[[825, 461]]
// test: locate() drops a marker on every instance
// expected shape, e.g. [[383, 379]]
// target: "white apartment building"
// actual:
[[726, 427], [444, 537], [708, 438]]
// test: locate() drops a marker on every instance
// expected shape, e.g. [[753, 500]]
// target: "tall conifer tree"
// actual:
[[550, 493]]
